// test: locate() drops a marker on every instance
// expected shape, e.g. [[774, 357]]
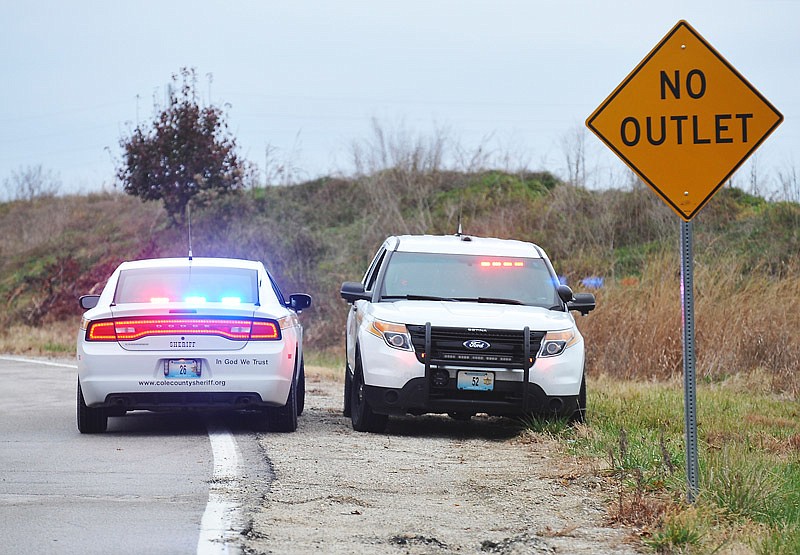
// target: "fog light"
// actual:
[[440, 378]]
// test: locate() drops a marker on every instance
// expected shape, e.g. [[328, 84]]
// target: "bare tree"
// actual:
[[398, 169], [30, 182], [573, 145], [755, 177], [789, 183], [281, 168]]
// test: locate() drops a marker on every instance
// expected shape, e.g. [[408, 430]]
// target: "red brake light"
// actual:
[[265, 330], [102, 330], [131, 329]]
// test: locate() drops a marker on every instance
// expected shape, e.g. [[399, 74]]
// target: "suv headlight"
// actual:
[[556, 342], [395, 335]]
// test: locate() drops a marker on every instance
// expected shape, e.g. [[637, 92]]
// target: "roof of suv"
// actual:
[[463, 244]]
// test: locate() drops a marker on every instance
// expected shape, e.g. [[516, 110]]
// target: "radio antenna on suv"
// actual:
[[459, 231]]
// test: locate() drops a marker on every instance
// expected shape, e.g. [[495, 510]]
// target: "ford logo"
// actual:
[[477, 344]]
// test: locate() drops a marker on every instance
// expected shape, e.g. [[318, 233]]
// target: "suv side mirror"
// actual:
[[353, 291], [88, 301], [582, 302], [299, 301], [564, 293]]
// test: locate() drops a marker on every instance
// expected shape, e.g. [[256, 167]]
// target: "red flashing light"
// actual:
[[131, 329], [502, 264]]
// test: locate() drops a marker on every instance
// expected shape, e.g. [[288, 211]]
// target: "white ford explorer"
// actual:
[[462, 325]]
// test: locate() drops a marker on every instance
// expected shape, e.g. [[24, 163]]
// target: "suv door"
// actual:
[[357, 310]]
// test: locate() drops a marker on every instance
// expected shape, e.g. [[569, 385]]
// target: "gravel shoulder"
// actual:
[[429, 485]]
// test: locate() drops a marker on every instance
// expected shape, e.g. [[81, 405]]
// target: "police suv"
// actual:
[[462, 325]]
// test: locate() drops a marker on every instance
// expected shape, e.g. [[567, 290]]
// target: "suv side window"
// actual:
[[372, 273]]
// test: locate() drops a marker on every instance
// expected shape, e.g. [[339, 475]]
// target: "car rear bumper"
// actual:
[[172, 401], [253, 376]]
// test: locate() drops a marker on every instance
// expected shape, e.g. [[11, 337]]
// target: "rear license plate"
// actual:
[[182, 368], [480, 381]]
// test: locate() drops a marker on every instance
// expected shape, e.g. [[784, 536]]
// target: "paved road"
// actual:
[[142, 487]]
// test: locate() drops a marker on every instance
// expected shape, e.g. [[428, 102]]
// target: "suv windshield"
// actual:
[[469, 278], [213, 285]]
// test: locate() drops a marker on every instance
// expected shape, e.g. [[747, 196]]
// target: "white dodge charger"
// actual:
[[199, 333]]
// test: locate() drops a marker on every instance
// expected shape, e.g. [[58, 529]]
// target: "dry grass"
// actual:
[[52, 340], [745, 325], [316, 373]]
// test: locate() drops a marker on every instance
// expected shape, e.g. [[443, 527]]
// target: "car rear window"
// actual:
[[213, 285]]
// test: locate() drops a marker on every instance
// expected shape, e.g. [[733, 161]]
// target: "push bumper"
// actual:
[[505, 400]]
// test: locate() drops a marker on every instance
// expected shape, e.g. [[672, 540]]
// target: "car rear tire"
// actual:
[[301, 389], [284, 419], [90, 421], [361, 415]]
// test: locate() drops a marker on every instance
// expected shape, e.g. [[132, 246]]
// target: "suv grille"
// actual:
[[503, 348]]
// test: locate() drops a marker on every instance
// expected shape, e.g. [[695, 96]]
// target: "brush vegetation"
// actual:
[[315, 235], [749, 499]]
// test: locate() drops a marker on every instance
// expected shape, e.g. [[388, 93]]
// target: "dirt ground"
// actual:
[[428, 485]]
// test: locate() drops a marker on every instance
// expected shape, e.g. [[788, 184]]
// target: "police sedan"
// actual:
[[196, 333]]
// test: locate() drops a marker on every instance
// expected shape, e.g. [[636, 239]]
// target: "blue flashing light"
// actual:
[[592, 282]]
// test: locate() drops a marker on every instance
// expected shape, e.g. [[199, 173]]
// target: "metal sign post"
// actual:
[[689, 373]]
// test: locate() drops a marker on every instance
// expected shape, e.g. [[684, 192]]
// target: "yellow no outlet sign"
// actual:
[[684, 120]]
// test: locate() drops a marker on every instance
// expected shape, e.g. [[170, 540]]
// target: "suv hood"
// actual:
[[472, 315]]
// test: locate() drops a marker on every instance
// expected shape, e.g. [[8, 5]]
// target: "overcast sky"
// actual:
[[308, 77]]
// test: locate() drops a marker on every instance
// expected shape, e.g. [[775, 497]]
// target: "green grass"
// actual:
[[749, 439]]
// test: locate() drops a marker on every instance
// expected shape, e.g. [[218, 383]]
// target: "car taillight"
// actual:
[[265, 330], [131, 329]]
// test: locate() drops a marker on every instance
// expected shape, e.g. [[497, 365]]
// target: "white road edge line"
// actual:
[[221, 518], [34, 361], [217, 528]]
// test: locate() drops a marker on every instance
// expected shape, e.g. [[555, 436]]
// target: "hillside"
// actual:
[[315, 235]]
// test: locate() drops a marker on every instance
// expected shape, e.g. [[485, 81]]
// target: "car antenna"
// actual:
[[459, 231], [189, 219]]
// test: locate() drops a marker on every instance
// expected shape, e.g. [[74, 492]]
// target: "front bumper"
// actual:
[[507, 399], [557, 376], [398, 382]]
